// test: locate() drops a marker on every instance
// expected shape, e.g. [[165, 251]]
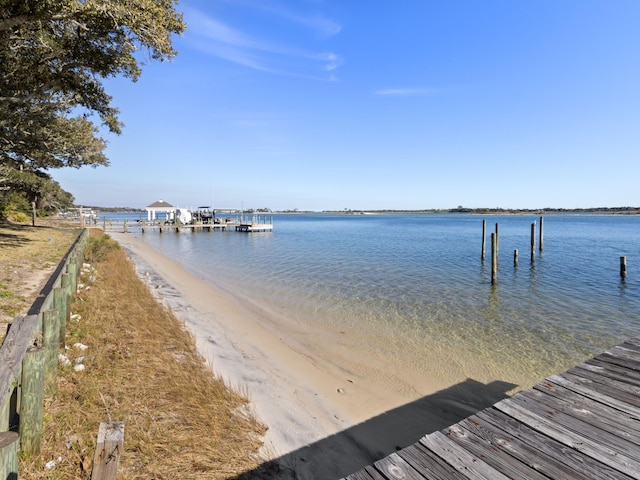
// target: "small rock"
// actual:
[[63, 360], [80, 346], [79, 368]]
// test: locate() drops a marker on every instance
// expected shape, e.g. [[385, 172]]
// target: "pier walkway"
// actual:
[[239, 223], [582, 424]]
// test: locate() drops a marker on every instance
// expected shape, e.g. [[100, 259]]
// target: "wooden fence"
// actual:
[[29, 360]]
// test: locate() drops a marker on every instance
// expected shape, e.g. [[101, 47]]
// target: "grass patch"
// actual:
[[98, 247], [143, 368], [28, 257]]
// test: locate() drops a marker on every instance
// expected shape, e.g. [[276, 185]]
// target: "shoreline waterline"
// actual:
[[334, 325], [303, 391]]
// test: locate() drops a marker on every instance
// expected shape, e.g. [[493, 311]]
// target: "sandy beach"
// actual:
[[325, 418]]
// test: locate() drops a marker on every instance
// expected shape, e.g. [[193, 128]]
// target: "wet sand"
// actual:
[[325, 420]]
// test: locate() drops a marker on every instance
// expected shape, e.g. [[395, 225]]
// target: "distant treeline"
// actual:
[[460, 209], [111, 209], [515, 211]]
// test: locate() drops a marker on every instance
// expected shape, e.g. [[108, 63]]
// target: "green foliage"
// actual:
[[4, 292], [98, 248], [12, 203], [54, 56], [20, 217]]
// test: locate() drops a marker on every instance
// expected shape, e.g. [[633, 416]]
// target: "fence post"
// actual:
[[60, 307], [8, 456], [32, 400], [51, 343], [72, 270], [108, 450], [66, 291]]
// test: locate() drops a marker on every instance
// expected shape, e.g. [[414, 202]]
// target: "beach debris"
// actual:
[[52, 464], [75, 317], [80, 346], [63, 360], [340, 390], [89, 272]]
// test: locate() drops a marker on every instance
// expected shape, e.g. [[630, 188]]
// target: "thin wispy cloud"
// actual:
[[220, 39], [405, 92], [316, 22]]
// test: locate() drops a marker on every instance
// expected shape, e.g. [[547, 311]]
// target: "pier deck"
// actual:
[[582, 424], [145, 227]]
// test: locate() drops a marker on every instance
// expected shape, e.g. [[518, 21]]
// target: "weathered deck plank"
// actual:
[[583, 424]]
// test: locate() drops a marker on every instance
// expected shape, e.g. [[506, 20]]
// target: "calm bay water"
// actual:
[[412, 291]]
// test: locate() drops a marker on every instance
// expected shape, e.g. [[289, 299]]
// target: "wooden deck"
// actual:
[[583, 424]]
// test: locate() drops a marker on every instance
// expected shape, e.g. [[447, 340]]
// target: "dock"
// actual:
[[582, 424], [239, 223]]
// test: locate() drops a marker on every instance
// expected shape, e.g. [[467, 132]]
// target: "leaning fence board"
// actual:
[[15, 344], [108, 450]]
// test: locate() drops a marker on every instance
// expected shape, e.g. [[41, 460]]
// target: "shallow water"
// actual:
[[410, 296]]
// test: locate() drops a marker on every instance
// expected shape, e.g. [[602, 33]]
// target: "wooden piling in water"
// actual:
[[497, 239], [515, 257], [623, 267], [533, 242], [494, 259], [541, 234], [484, 238]]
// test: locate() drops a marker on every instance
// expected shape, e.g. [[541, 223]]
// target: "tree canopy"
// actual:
[[54, 56]]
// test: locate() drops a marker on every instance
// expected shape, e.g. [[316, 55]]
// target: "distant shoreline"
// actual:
[[474, 211]]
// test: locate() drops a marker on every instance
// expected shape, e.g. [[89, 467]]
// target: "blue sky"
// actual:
[[412, 104]]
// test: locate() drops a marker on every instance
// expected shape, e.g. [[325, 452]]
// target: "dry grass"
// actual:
[[28, 257], [143, 368]]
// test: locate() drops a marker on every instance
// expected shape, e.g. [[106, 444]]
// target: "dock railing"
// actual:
[[29, 360]]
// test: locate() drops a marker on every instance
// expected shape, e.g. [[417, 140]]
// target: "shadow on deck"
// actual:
[[350, 450]]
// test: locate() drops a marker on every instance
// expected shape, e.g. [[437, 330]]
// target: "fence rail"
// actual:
[[29, 359]]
